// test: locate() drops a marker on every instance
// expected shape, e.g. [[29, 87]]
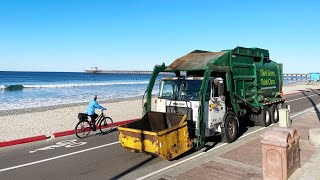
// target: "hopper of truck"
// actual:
[[162, 134]]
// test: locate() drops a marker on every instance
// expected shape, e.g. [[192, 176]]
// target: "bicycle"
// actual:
[[84, 126]]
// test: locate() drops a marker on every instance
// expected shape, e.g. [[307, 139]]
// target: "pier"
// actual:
[[97, 70], [292, 76], [287, 76]]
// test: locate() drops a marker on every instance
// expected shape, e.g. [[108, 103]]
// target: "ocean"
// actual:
[[19, 90]]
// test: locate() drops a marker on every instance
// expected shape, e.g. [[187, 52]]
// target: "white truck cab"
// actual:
[[182, 95]]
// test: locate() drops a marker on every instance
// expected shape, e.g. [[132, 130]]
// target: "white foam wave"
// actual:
[[2, 86]]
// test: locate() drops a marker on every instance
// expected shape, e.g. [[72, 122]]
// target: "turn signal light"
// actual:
[[211, 106]]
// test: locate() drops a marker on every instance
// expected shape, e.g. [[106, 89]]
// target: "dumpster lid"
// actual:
[[195, 60]]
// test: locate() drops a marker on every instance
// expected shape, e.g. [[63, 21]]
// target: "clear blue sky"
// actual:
[[73, 35]]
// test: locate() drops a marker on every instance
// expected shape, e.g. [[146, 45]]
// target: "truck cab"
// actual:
[[182, 95]]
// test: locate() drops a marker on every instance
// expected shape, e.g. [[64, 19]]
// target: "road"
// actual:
[[102, 157]]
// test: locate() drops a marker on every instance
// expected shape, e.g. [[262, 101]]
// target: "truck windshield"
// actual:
[[181, 89]]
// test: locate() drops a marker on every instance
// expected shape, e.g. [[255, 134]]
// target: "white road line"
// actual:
[[202, 153], [302, 98], [57, 157], [309, 109]]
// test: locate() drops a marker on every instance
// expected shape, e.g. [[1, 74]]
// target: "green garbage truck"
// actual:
[[208, 94], [217, 90]]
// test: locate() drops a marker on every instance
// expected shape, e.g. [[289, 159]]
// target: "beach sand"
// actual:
[[17, 124], [60, 119]]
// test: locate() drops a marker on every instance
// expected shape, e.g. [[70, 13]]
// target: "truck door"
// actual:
[[217, 106]]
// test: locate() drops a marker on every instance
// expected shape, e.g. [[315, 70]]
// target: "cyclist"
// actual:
[[91, 111]]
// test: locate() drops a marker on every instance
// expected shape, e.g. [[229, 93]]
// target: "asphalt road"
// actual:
[[102, 157]]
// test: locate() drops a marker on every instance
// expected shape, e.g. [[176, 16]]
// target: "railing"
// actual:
[[122, 71], [118, 71], [295, 76]]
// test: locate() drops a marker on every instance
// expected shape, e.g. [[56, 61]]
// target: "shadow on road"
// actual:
[[313, 103], [244, 126], [214, 139], [133, 168]]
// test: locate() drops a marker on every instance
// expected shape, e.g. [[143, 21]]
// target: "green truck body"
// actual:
[[252, 87]]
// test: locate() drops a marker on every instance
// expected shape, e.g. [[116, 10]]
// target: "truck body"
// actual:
[[217, 90]]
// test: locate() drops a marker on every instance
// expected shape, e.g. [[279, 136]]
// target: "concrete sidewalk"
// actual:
[[245, 161]]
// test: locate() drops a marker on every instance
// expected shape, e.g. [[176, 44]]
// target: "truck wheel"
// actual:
[[230, 131], [264, 117], [274, 113]]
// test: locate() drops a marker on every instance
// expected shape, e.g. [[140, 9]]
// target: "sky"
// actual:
[[74, 35]]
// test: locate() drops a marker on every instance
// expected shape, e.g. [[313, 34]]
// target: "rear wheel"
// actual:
[[264, 117], [274, 113], [106, 125], [230, 131], [82, 129]]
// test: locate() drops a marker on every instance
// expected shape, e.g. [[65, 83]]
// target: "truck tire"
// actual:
[[264, 117], [274, 113], [230, 131]]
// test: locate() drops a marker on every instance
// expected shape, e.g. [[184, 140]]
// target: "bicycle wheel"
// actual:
[[106, 125], [82, 129]]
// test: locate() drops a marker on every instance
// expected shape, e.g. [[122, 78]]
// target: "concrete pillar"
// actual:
[[284, 117], [314, 137]]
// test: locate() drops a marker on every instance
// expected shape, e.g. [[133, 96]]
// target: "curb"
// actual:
[[22, 141], [70, 132], [300, 92]]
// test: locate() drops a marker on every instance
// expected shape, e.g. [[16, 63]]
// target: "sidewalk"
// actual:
[[245, 161], [311, 169]]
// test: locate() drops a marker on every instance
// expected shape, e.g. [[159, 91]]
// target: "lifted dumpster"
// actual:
[[162, 134]]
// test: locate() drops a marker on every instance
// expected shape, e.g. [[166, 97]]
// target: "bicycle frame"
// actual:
[[102, 122], [98, 119]]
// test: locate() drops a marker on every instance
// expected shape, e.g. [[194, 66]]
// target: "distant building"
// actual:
[[93, 70], [314, 76]]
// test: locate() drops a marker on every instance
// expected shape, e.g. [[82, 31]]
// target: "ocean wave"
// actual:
[[22, 86], [17, 103], [2, 86], [12, 87]]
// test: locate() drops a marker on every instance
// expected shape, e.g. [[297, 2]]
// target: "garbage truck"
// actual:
[[209, 94]]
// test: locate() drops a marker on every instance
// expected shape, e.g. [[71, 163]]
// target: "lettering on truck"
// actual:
[[266, 79]]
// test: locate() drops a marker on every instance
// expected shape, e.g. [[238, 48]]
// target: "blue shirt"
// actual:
[[92, 106]]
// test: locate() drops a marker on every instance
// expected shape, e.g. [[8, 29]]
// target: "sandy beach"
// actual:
[[16, 124]]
